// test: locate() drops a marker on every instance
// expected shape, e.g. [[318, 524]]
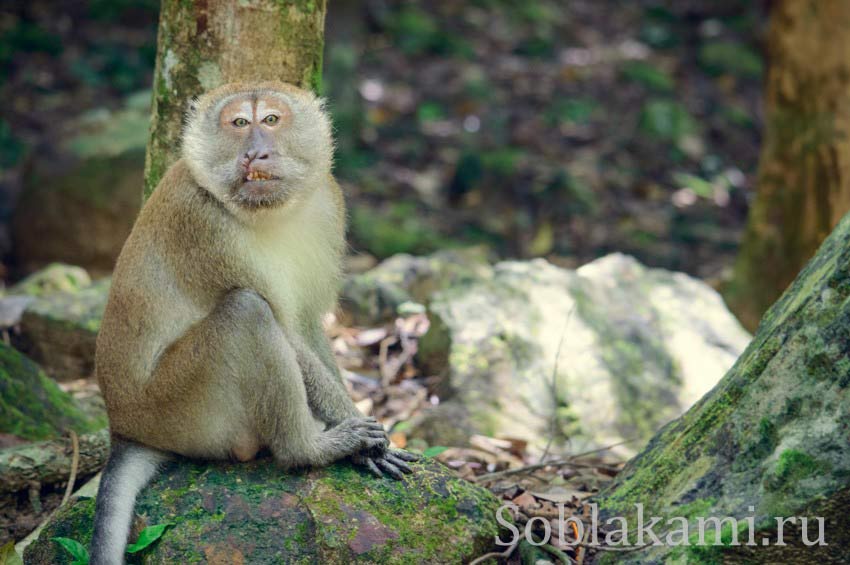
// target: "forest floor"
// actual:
[[537, 128]]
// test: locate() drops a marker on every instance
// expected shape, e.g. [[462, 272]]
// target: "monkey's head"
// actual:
[[257, 146]]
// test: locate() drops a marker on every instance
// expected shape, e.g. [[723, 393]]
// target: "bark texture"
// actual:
[[770, 440], [207, 43], [804, 174]]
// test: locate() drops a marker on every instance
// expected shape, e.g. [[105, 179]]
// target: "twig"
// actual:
[[537, 466], [600, 449], [495, 554], [553, 422], [613, 549], [72, 478], [75, 464], [552, 550]]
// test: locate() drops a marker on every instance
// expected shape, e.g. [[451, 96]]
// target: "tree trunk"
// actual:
[[804, 174], [770, 440], [204, 44]]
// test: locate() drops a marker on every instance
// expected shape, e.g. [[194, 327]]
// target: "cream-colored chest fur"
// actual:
[[295, 258]]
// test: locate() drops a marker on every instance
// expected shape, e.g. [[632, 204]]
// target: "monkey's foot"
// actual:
[[392, 462]]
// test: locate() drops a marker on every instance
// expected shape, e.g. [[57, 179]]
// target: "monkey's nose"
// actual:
[[255, 155]]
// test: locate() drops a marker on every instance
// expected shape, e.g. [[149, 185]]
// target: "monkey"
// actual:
[[211, 344]]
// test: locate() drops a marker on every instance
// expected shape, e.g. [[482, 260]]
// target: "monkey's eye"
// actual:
[[271, 119], [240, 122]]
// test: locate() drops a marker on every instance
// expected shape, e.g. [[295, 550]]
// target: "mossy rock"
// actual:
[[32, 406], [770, 440], [374, 297], [59, 330], [256, 513], [613, 351], [56, 277]]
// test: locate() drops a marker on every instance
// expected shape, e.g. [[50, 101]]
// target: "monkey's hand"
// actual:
[[393, 462]]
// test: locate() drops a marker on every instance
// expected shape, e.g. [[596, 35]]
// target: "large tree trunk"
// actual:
[[770, 440], [204, 44], [804, 175]]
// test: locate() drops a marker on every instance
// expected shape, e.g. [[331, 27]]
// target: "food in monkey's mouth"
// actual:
[[258, 175]]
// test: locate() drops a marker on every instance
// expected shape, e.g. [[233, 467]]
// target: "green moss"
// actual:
[[430, 518], [32, 406], [80, 310], [792, 467], [56, 277], [697, 508]]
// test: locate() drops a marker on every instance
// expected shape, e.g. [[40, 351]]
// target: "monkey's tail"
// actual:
[[129, 468]]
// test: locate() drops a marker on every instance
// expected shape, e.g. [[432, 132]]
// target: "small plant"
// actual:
[[81, 555], [728, 57], [667, 120], [76, 549], [434, 450], [647, 75]]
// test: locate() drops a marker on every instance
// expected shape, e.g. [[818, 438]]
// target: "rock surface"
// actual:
[[255, 513], [32, 406], [78, 206], [58, 328], [635, 347], [771, 440]]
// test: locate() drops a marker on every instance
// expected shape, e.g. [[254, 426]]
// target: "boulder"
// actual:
[[374, 297], [55, 277], [256, 513], [59, 329], [79, 204], [593, 357], [32, 406], [769, 441]]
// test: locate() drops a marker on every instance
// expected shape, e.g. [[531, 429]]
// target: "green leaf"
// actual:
[[8, 556], [147, 537], [727, 57], [76, 549], [648, 75], [434, 450], [666, 120]]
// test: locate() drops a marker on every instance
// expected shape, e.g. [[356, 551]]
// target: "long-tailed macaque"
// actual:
[[211, 345]]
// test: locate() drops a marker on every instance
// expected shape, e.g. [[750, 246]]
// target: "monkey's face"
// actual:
[[259, 149]]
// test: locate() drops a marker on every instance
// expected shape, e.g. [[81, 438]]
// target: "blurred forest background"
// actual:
[[533, 129]]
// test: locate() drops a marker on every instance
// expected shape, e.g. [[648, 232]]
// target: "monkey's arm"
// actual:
[[326, 392], [318, 342], [319, 367]]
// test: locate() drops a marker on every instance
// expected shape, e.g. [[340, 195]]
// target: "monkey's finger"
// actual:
[[406, 455], [373, 468], [375, 426], [390, 469], [404, 467], [372, 442], [367, 424]]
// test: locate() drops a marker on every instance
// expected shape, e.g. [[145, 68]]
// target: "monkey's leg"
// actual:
[[235, 375]]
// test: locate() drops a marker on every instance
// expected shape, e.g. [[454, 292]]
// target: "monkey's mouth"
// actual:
[[259, 175]]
